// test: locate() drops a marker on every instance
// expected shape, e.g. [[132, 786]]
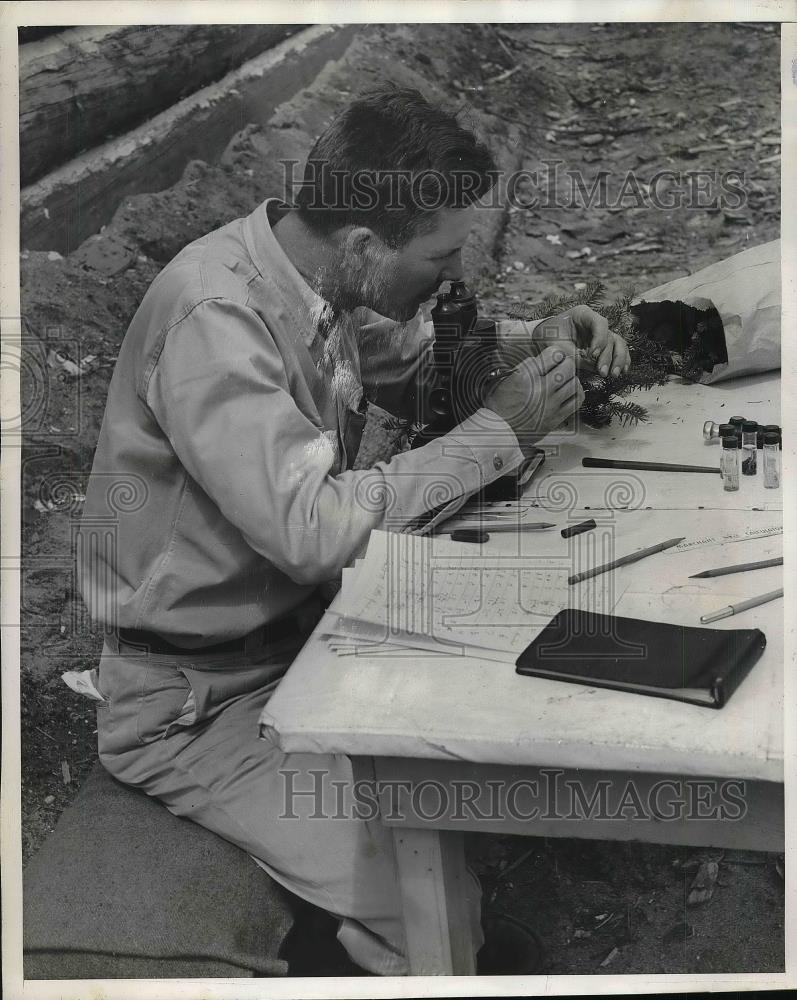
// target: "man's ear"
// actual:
[[359, 243]]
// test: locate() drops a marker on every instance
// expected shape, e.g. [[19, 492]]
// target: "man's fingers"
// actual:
[[563, 373], [569, 392], [622, 357], [609, 352], [615, 359], [562, 381], [593, 325], [606, 357], [561, 353]]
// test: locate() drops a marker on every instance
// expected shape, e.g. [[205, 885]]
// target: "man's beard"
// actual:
[[345, 290]]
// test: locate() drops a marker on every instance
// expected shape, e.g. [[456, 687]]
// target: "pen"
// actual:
[[738, 568], [734, 609], [623, 560]]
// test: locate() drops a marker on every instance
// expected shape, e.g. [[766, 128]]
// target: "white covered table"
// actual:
[[462, 743]]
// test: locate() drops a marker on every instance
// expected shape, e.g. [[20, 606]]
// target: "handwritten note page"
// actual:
[[421, 587]]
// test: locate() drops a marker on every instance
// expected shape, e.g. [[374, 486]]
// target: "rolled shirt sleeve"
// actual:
[[220, 392]]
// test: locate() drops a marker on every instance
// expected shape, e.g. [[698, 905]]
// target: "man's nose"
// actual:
[[453, 269]]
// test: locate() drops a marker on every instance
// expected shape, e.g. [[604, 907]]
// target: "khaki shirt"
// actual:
[[222, 491]]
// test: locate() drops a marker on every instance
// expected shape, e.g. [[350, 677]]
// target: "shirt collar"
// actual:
[[305, 305]]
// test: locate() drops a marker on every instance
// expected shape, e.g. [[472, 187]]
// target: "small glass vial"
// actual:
[[729, 463], [749, 453], [767, 429], [770, 455], [737, 423], [712, 431]]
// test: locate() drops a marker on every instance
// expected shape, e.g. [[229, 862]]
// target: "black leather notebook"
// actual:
[[702, 666]]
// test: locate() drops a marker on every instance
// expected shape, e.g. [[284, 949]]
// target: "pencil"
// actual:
[[738, 568], [622, 463], [734, 609], [494, 528], [623, 560]]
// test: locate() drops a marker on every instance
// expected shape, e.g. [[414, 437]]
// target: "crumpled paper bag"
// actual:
[[745, 291]]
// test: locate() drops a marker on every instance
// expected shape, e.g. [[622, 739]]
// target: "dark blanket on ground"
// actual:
[[123, 889]]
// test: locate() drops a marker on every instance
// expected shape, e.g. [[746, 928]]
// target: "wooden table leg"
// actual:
[[438, 901]]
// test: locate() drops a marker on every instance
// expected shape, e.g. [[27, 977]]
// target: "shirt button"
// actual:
[[498, 462]]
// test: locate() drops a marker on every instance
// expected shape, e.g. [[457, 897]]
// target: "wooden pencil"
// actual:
[[506, 528], [738, 568], [623, 560]]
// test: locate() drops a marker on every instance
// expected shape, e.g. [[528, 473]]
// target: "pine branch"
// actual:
[[652, 363], [628, 413], [690, 365]]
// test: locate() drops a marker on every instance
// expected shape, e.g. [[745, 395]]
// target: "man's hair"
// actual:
[[389, 161]]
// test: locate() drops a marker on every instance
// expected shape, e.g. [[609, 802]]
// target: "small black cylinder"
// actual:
[[577, 529]]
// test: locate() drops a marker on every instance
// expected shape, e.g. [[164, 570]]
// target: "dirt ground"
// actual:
[[639, 97]]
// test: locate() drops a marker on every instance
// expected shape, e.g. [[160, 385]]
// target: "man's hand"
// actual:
[[589, 331], [539, 395]]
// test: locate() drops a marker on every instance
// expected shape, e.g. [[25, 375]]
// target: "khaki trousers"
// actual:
[[185, 730]]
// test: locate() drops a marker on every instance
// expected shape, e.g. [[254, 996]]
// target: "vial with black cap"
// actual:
[[749, 453], [729, 463], [770, 454]]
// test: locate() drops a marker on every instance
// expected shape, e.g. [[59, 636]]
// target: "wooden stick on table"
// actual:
[[627, 463], [623, 560], [506, 528], [738, 568]]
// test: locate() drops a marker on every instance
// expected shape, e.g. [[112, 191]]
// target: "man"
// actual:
[[222, 494]]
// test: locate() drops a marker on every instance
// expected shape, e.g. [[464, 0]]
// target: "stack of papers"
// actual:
[[463, 512], [445, 598], [481, 515]]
